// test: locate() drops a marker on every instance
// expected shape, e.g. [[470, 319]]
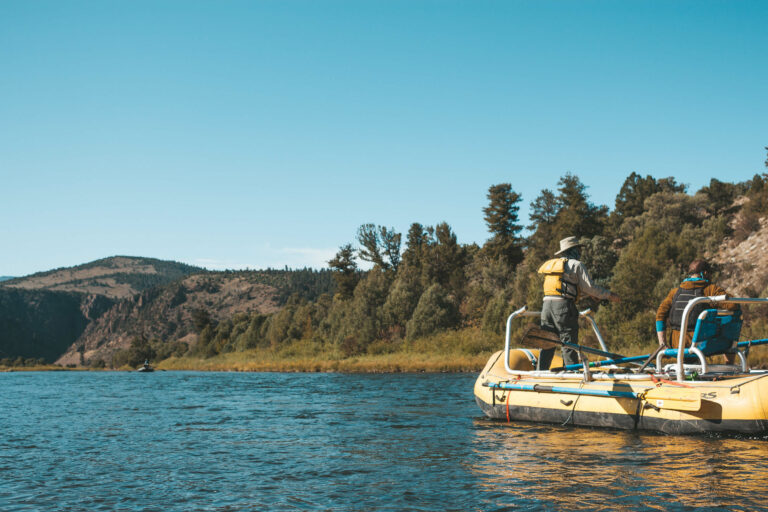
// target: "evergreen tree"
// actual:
[[501, 217], [569, 213], [436, 310], [402, 300], [346, 274], [720, 195], [633, 193], [543, 213], [379, 245], [577, 216], [390, 242], [444, 261], [364, 321], [419, 238]]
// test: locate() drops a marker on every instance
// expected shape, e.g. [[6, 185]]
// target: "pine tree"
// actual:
[[501, 216], [633, 193], [346, 274], [379, 245]]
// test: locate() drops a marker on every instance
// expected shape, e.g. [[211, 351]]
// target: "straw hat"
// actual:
[[568, 243]]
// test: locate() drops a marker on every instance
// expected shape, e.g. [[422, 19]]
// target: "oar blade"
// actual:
[[536, 337], [677, 399]]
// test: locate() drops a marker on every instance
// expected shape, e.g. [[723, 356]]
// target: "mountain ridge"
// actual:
[[116, 277], [87, 312]]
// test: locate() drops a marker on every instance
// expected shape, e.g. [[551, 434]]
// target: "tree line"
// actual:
[[425, 281]]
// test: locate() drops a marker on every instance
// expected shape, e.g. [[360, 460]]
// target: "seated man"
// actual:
[[670, 312]]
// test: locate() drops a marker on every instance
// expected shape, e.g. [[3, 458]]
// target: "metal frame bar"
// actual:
[[680, 352], [718, 299], [523, 312]]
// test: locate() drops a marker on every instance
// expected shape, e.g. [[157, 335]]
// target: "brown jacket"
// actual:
[[663, 312]]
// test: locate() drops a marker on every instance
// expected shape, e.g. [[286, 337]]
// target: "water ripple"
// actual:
[[185, 441]]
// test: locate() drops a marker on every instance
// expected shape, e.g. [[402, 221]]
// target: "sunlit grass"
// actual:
[[451, 351], [462, 350], [39, 368]]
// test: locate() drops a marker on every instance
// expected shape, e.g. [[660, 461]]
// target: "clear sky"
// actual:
[[232, 134]]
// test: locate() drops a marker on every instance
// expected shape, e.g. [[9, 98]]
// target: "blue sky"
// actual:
[[234, 134]]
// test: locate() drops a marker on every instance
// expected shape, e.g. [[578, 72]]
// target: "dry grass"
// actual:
[[264, 361], [464, 350], [40, 368]]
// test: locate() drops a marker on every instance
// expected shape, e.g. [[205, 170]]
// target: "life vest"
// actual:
[[555, 284], [681, 299]]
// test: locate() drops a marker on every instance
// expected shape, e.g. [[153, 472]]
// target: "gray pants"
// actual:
[[563, 317]]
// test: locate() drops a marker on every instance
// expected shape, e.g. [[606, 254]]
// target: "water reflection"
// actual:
[[569, 468]]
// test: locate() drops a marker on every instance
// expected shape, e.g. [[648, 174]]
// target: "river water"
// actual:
[[189, 441]]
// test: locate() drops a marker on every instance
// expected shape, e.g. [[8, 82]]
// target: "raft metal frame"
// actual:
[[589, 315], [681, 352]]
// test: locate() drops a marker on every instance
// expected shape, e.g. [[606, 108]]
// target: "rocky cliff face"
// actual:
[[43, 324], [166, 313], [744, 263]]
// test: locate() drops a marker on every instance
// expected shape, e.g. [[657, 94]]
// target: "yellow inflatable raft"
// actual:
[[690, 395]]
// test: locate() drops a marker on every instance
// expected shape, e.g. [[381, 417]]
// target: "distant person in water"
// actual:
[[670, 312], [565, 280]]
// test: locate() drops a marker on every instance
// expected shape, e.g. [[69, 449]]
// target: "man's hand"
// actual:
[[614, 298], [662, 338]]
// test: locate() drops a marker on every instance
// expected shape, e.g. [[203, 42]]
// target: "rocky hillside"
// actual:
[[744, 263], [118, 277], [83, 313], [43, 314], [167, 313], [41, 324]]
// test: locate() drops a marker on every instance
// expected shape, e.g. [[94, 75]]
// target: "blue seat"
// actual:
[[717, 334]]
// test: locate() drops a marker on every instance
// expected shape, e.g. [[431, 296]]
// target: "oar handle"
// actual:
[[590, 350]]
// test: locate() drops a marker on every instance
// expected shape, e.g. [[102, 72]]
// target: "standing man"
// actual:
[[565, 280], [671, 309]]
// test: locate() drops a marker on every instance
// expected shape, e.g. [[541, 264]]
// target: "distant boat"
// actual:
[[146, 367]]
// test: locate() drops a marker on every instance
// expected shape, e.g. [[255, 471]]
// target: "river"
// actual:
[[187, 441]]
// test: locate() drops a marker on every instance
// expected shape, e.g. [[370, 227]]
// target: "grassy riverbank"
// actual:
[[41, 368], [465, 350], [462, 350], [254, 361]]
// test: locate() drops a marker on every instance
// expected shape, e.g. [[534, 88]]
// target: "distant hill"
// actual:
[[6, 278], [117, 277], [43, 314], [76, 314], [167, 313]]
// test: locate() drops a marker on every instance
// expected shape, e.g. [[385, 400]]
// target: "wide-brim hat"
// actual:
[[568, 243]]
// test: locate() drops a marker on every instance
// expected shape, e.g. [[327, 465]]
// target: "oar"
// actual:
[[635, 359], [651, 358], [752, 342], [606, 362], [534, 336], [678, 399]]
